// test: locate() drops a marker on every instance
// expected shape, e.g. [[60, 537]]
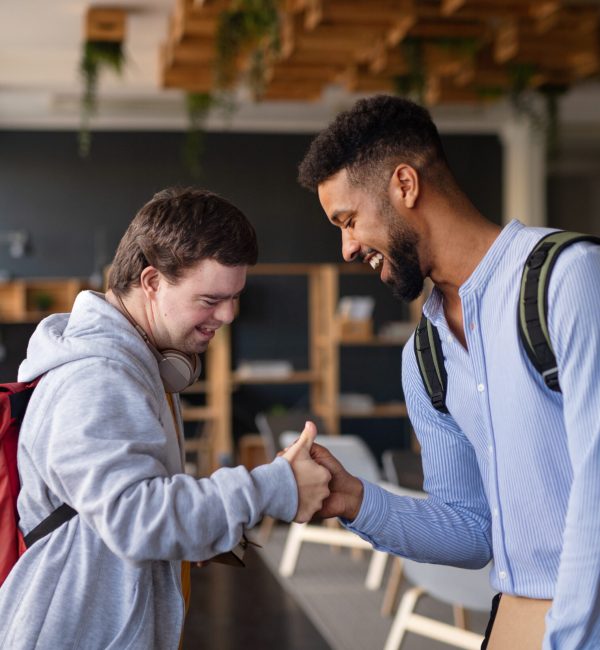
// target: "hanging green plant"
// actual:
[[551, 94], [198, 108], [248, 27], [539, 105], [463, 47], [412, 84], [97, 55]]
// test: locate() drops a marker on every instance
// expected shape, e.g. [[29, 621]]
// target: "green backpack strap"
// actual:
[[532, 319], [533, 301], [430, 360]]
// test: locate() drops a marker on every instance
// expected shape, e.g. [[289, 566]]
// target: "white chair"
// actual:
[[379, 561], [271, 426], [465, 588], [357, 458]]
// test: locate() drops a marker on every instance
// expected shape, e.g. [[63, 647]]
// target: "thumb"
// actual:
[[308, 435], [303, 444]]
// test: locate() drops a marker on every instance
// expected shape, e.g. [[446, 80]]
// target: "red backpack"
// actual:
[[14, 398]]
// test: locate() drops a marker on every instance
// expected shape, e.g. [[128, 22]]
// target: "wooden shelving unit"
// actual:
[[328, 345], [222, 380], [30, 300], [312, 374], [214, 443]]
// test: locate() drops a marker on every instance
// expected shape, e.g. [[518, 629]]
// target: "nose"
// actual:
[[350, 247], [225, 311]]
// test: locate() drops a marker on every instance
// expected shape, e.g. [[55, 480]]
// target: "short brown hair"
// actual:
[[175, 230]]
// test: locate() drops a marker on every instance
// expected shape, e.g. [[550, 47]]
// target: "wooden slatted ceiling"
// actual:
[[466, 47]]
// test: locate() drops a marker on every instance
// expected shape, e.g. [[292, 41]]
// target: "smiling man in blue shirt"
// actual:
[[513, 470]]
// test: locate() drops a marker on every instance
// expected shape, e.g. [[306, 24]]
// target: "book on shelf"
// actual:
[[269, 368]]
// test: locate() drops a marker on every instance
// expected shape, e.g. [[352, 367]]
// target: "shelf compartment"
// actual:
[[198, 413]]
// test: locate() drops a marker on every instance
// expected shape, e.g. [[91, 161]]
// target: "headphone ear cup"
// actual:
[[178, 370]]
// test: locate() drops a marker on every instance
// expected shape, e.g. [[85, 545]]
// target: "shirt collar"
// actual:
[[433, 307]]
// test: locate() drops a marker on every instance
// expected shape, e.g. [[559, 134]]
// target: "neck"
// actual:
[[458, 242], [458, 237], [135, 313]]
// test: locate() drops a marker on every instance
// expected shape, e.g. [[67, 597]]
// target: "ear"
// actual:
[[404, 186], [150, 279]]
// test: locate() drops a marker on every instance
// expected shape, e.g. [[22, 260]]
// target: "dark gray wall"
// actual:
[[76, 211], [71, 207]]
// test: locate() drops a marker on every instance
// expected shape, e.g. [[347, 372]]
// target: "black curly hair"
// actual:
[[377, 132]]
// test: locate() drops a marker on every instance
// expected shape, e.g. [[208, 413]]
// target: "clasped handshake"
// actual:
[[325, 488]]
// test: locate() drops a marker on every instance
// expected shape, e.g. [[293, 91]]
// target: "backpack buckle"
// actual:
[[550, 377], [538, 258], [437, 399]]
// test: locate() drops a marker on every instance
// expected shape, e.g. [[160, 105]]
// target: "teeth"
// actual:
[[376, 260]]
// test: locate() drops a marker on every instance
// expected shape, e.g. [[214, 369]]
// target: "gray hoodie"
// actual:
[[99, 435]]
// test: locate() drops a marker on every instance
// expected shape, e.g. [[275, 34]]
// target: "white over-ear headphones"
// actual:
[[178, 370]]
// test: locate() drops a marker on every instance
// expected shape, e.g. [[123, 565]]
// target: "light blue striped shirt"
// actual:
[[514, 471]]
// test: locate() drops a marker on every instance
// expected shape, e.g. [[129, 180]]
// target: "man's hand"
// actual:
[[312, 479], [346, 491]]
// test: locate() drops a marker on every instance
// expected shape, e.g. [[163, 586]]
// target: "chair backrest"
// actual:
[[467, 587], [403, 467], [271, 426], [351, 451]]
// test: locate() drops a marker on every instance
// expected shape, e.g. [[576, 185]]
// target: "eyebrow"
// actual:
[[219, 296]]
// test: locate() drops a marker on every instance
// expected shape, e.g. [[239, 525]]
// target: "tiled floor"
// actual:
[[329, 586]]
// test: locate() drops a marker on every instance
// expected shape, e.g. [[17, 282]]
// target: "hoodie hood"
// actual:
[[94, 328]]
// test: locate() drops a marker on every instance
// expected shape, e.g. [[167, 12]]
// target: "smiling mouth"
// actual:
[[374, 259], [206, 331]]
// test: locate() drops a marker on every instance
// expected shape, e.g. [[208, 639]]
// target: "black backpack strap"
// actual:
[[53, 521], [18, 403], [430, 360], [533, 301]]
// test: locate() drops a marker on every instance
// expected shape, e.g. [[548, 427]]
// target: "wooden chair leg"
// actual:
[[390, 597], [402, 618], [460, 617], [265, 529], [291, 551], [376, 570]]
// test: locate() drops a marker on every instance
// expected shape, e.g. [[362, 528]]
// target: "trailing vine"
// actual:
[[97, 55], [198, 108], [250, 27], [539, 105], [412, 84]]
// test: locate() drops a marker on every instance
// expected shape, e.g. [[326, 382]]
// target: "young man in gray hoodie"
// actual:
[[103, 434]]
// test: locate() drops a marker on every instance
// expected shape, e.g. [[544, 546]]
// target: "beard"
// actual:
[[406, 279]]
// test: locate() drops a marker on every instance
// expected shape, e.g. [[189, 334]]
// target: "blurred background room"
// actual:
[[103, 104]]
